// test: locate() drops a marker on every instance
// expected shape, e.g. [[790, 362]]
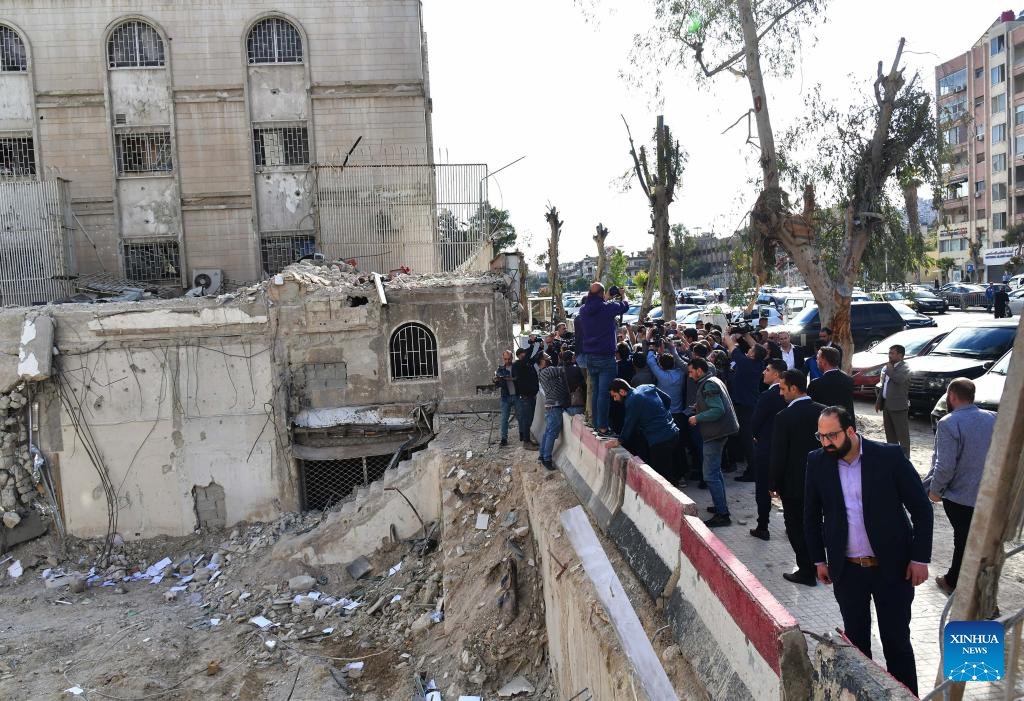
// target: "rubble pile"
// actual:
[[17, 486]]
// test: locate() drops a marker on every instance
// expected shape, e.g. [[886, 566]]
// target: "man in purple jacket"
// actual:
[[598, 317]]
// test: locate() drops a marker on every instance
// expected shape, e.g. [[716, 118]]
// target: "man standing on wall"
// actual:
[[552, 379], [962, 438], [714, 415], [598, 317], [858, 494], [894, 399]]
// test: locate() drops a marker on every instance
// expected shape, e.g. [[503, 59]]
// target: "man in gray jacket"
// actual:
[[715, 416], [894, 399], [962, 438]]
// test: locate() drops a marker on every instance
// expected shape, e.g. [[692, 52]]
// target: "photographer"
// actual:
[[503, 379], [598, 317], [524, 374]]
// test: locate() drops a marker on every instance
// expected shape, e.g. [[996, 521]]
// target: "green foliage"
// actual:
[[580, 284], [1014, 235], [741, 276], [497, 224], [892, 251], [617, 264], [946, 264], [640, 280]]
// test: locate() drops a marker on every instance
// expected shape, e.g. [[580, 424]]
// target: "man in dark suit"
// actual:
[[834, 387], [793, 438], [857, 497], [793, 355], [769, 403], [825, 341]]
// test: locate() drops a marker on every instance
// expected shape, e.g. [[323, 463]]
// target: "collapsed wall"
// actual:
[[169, 415]]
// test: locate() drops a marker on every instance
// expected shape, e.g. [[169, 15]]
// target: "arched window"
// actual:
[[413, 351], [13, 58], [135, 44], [274, 40]]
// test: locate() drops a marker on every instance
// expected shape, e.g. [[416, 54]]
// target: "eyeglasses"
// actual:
[[830, 437]]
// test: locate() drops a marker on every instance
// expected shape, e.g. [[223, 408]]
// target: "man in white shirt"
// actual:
[[793, 356]]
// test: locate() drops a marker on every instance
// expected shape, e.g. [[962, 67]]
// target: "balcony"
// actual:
[[955, 202]]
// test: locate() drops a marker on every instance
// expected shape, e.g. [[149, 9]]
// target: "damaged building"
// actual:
[[174, 415]]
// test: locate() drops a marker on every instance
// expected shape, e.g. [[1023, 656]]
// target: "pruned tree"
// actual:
[[646, 301], [555, 226], [602, 254], [732, 36], [658, 182]]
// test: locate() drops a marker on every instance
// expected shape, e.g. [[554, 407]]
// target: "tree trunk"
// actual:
[[914, 221], [662, 198], [646, 304], [557, 311], [602, 256]]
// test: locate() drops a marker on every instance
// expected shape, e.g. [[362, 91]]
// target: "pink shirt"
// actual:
[[857, 543]]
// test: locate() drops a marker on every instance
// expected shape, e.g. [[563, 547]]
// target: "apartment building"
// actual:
[[190, 132], [980, 112]]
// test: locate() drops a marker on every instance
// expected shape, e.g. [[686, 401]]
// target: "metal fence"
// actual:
[[326, 482], [430, 218], [36, 253]]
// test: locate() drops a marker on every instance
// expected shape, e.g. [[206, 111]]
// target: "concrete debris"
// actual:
[[518, 685], [11, 519], [17, 480], [302, 584], [359, 568], [15, 570]]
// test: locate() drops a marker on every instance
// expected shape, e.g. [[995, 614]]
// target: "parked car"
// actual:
[[891, 296], [866, 366], [795, 304], [912, 319], [968, 351], [1016, 281], [870, 322], [1017, 301], [963, 296], [755, 314], [988, 389], [925, 301]]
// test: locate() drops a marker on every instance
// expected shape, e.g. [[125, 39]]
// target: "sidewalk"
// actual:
[[815, 608]]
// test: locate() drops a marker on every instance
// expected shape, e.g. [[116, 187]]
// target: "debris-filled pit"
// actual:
[[216, 615]]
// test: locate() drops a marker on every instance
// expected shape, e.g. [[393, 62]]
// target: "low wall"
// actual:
[[737, 636]]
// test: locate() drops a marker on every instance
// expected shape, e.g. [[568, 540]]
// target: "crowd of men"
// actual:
[[699, 403]]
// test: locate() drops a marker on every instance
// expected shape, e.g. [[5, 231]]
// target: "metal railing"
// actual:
[[326, 482]]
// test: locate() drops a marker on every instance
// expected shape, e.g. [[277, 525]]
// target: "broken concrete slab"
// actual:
[[30, 527], [359, 568], [301, 584], [518, 685]]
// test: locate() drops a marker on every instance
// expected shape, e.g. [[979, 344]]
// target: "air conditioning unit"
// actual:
[[209, 279], [960, 88], [980, 137], [978, 194]]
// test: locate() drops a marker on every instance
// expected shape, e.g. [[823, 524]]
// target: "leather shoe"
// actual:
[[943, 585], [761, 533], [797, 578], [712, 509], [746, 477], [548, 464], [528, 445], [718, 520]]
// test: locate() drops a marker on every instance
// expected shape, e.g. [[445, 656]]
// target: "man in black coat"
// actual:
[[524, 373], [857, 497], [834, 387], [792, 439], [769, 403]]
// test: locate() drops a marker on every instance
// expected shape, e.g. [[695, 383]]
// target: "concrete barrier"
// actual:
[[595, 471]]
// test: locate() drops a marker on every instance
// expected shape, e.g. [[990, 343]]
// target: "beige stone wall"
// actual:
[[363, 74]]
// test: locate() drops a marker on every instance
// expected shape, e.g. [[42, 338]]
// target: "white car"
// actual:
[[1017, 301]]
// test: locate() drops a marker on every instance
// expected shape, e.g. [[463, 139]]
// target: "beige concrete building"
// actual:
[[190, 131], [980, 99]]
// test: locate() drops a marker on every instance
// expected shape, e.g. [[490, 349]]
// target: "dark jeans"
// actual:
[[508, 404], [680, 464], [696, 444], [793, 517], [761, 496], [524, 415], [893, 596], [960, 518]]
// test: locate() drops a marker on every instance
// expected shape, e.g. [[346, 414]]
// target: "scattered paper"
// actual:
[[396, 597], [436, 616], [214, 621], [261, 622], [156, 580], [395, 570], [271, 644], [469, 454], [180, 587], [354, 665], [471, 698], [314, 595], [15, 569], [352, 606], [76, 690], [156, 569], [481, 521], [328, 631], [184, 580]]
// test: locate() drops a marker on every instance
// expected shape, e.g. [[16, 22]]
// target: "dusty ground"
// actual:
[[125, 641]]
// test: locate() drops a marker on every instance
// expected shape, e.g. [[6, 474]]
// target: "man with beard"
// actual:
[[792, 440], [867, 546]]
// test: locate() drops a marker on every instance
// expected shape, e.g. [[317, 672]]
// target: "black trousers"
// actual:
[[744, 440], [893, 595], [761, 496], [960, 518], [663, 460], [682, 465], [793, 517]]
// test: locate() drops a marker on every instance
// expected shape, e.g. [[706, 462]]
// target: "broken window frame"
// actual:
[[165, 266], [17, 156], [273, 40], [274, 243], [412, 353], [152, 151], [135, 44], [13, 54], [291, 149]]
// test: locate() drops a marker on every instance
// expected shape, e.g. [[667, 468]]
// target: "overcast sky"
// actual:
[[538, 78]]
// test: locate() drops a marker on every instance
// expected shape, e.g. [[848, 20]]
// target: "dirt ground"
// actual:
[[465, 609]]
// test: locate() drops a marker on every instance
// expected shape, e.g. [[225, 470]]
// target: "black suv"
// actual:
[[869, 322], [968, 351]]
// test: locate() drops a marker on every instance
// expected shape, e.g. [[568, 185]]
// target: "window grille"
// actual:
[[13, 58], [17, 157], [143, 152], [281, 146], [135, 44], [274, 41], [151, 261], [413, 351], [326, 482], [279, 250]]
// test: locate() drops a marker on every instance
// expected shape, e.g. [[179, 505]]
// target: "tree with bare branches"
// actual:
[[658, 182], [555, 225], [602, 254]]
